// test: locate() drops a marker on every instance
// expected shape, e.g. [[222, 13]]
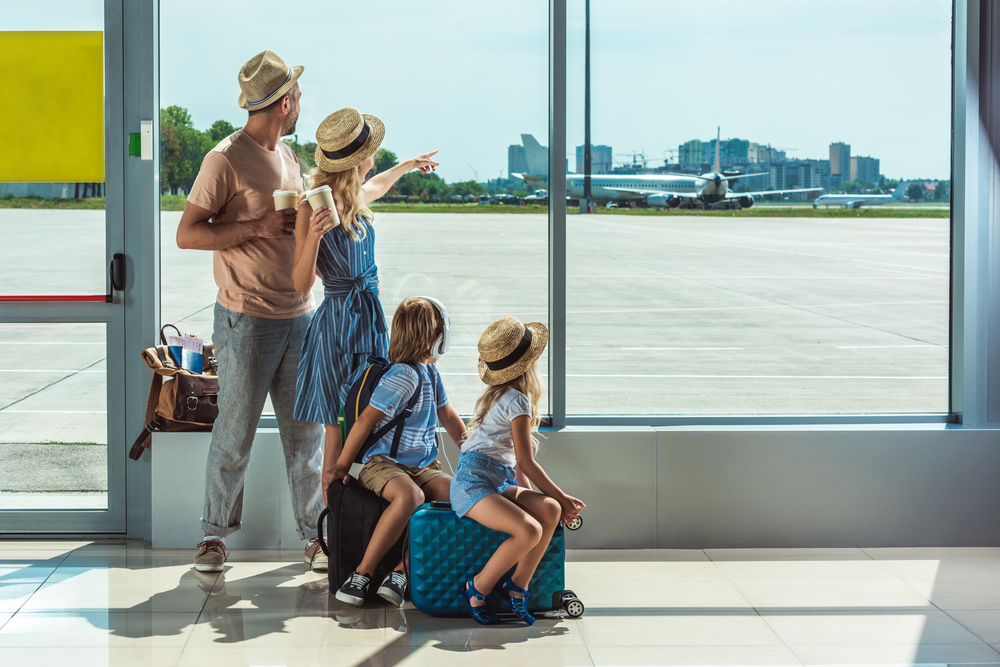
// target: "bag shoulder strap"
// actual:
[[144, 439], [397, 421]]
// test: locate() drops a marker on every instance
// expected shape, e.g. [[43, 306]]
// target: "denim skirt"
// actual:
[[476, 477]]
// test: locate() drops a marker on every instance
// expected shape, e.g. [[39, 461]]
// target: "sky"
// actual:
[[468, 78]]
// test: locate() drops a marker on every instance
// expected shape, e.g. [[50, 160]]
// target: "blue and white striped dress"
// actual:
[[348, 326]]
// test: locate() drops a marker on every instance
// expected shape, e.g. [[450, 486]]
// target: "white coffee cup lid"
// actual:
[[285, 193], [319, 189]]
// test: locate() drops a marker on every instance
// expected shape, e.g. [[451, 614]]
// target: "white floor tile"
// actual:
[[258, 629], [927, 626], [804, 570], [984, 623], [13, 596], [108, 629], [689, 628], [960, 594], [906, 654], [776, 595], [88, 656], [486, 655], [615, 656]]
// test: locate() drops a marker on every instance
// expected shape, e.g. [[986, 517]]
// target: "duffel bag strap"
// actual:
[[145, 438]]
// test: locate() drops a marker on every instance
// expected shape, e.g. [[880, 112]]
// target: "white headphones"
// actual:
[[443, 342]]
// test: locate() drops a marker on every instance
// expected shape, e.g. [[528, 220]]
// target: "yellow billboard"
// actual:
[[52, 116]]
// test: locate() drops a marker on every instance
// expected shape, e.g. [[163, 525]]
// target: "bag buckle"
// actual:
[[192, 406]]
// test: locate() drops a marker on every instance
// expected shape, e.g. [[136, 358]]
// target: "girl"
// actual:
[[485, 486], [349, 324]]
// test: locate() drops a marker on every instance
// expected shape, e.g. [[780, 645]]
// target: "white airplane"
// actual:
[[859, 200], [665, 191]]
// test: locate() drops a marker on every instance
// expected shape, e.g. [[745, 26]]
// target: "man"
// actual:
[[260, 320]]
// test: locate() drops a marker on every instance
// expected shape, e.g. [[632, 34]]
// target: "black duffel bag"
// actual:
[[353, 512]]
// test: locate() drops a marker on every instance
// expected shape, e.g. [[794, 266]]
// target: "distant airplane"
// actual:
[[859, 200], [656, 190]]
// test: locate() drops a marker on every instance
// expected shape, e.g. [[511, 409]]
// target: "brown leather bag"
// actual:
[[179, 400]]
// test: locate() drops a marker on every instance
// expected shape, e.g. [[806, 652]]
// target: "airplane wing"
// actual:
[[736, 195], [733, 177], [642, 192]]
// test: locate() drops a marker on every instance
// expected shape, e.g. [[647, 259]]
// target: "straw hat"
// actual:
[[508, 348], [346, 138], [265, 79]]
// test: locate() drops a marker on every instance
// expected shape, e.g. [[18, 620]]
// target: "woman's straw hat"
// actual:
[[346, 138], [265, 79], [508, 348]]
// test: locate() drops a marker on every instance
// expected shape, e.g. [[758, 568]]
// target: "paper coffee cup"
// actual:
[[285, 199], [323, 196]]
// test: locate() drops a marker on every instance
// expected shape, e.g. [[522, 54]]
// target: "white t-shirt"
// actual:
[[493, 437]]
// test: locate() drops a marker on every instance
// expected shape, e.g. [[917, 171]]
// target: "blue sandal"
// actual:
[[517, 605], [481, 614]]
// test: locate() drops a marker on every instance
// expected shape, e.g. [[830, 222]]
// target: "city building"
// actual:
[[840, 161], [601, 161], [517, 163], [865, 169]]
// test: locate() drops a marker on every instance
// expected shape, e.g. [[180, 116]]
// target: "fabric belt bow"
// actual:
[[361, 296]]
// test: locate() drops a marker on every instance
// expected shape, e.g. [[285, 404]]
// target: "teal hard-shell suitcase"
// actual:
[[446, 550]]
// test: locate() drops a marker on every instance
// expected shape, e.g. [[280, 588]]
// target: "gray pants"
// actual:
[[257, 356]]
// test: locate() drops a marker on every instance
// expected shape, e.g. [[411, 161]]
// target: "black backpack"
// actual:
[[353, 512], [357, 400]]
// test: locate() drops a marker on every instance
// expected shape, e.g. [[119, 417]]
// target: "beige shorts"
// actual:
[[379, 470]]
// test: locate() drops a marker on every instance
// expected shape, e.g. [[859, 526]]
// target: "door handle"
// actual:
[[117, 275]]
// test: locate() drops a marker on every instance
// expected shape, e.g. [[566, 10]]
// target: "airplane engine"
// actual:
[[673, 202], [746, 202]]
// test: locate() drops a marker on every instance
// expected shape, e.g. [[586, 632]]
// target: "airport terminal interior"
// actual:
[[763, 241]]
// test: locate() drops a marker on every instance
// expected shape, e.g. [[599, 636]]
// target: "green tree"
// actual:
[[466, 188], [220, 130], [425, 186], [384, 159], [182, 147], [306, 153], [915, 191]]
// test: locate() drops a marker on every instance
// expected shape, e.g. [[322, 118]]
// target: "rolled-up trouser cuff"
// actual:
[[212, 529]]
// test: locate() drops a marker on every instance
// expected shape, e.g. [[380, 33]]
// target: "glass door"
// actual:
[[62, 429]]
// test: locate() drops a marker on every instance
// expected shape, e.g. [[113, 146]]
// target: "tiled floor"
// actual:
[[116, 603]]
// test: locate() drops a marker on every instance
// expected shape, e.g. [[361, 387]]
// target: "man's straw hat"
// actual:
[[265, 79], [346, 138], [508, 348]]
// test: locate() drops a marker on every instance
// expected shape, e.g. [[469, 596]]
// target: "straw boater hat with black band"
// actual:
[[508, 348], [346, 138], [264, 79]]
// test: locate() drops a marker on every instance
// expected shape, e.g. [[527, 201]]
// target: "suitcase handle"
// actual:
[[440, 505]]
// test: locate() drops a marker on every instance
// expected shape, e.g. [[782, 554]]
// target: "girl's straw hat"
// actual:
[[508, 348], [265, 79], [346, 138]]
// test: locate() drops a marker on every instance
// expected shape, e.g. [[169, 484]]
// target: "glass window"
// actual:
[[779, 303], [461, 78]]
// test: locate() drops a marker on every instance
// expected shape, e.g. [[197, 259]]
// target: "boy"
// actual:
[[414, 476]]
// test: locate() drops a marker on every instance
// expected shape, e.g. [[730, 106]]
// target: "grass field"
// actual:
[[176, 203]]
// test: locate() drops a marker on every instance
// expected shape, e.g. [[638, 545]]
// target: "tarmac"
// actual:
[[678, 315]]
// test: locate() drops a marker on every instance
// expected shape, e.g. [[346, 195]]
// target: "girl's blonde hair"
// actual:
[[346, 186], [528, 383], [415, 326]]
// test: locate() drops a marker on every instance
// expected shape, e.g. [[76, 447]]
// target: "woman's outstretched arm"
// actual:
[[379, 184]]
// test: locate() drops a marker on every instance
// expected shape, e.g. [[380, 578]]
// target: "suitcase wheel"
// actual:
[[575, 524], [574, 607], [568, 594]]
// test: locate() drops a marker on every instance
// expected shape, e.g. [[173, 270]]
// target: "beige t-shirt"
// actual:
[[237, 181]]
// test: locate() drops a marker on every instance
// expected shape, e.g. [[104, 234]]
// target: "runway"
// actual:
[[678, 315]]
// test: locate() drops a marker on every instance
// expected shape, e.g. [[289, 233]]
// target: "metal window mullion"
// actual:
[[557, 212]]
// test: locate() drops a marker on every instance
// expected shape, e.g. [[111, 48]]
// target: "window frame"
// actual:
[[975, 247]]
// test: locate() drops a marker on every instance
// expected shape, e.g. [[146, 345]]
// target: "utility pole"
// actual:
[[585, 202]]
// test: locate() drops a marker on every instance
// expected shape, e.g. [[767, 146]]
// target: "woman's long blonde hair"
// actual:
[[528, 383], [346, 186]]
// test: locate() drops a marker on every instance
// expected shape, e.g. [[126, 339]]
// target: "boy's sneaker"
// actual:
[[315, 557], [211, 556], [393, 588], [354, 589]]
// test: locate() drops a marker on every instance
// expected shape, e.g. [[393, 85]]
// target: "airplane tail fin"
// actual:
[[536, 155], [900, 191], [718, 134]]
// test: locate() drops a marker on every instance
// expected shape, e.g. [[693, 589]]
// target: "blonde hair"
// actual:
[[528, 383], [346, 186], [415, 326]]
